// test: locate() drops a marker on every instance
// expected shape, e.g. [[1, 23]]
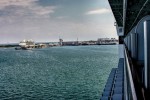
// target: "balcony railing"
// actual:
[[130, 93]]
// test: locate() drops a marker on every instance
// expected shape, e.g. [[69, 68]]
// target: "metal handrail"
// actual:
[[130, 77]]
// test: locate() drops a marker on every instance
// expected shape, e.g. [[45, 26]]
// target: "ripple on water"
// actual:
[[64, 73]]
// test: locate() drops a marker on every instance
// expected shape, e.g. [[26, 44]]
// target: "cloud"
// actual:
[[4, 3], [24, 7], [40, 10], [62, 17], [98, 11]]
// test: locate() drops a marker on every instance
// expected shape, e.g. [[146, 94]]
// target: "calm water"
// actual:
[[58, 73]]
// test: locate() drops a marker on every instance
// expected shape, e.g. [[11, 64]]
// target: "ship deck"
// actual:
[[114, 88]]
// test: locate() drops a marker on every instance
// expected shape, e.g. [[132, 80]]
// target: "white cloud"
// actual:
[[40, 10], [4, 3], [25, 7], [62, 17], [98, 11]]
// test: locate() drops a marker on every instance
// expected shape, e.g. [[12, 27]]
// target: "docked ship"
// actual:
[[131, 79], [26, 45]]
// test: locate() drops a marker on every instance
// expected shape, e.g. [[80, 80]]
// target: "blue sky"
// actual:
[[47, 20]]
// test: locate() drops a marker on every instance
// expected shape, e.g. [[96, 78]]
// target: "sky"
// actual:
[[49, 20]]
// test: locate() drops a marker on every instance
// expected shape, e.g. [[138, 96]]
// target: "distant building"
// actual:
[[60, 42], [107, 41], [70, 43]]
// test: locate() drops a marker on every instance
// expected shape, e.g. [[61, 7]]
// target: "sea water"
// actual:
[[56, 73]]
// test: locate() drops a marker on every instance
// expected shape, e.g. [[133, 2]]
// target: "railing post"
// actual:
[[134, 45], [147, 54]]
